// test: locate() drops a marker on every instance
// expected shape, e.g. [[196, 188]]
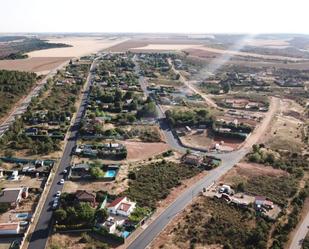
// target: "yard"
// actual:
[[257, 179], [286, 128], [153, 182], [211, 223]]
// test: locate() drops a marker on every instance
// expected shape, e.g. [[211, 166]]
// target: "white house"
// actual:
[[110, 225], [121, 206]]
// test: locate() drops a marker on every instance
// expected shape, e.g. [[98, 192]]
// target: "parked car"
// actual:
[[65, 171], [61, 181], [58, 194], [23, 223]]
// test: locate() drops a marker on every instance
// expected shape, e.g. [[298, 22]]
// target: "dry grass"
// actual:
[[80, 46], [40, 65], [141, 151], [285, 130]]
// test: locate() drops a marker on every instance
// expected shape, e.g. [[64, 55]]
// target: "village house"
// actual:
[[192, 159], [85, 196], [121, 206], [261, 202], [12, 196]]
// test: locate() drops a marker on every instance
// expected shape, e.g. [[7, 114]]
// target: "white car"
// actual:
[[58, 194], [55, 204], [65, 171], [61, 181]]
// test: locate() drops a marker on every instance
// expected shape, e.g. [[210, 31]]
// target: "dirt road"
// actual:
[[264, 125], [247, 54], [188, 84]]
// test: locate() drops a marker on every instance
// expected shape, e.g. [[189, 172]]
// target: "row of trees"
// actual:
[[14, 85]]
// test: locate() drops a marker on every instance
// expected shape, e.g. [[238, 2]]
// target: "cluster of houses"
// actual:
[[259, 203], [245, 104], [36, 133], [82, 171], [13, 223], [103, 151], [119, 211], [243, 79]]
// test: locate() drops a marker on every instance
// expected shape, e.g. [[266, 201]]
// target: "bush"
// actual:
[[153, 182]]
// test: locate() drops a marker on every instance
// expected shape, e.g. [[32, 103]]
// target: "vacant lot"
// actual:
[[285, 129], [40, 65], [210, 223], [153, 182], [80, 46], [262, 180], [141, 151], [166, 47]]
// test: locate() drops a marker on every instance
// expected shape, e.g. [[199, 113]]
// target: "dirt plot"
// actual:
[[285, 129], [28, 181], [40, 65], [204, 139], [68, 240], [249, 170], [141, 151], [80, 46], [141, 45]]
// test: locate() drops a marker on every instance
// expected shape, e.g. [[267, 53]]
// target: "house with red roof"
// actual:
[[121, 206]]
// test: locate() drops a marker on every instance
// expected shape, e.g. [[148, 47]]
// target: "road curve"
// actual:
[[228, 161]]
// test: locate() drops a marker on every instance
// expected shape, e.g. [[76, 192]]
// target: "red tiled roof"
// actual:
[[81, 194], [116, 201], [124, 207]]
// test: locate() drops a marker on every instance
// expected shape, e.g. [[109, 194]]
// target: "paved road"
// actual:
[[22, 107], [300, 234], [228, 161], [150, 233], [40, 235]]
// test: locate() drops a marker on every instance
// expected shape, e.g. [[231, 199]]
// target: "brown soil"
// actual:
[[36, 64], [249, 170], [141, 151]]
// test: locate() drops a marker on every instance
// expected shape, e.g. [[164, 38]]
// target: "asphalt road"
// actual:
[[40, 235], [228, 161], [150, 233], [22, 107]]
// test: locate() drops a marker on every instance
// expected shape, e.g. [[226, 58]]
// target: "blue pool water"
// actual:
[[110, 173], [125, 234], [22, 215]]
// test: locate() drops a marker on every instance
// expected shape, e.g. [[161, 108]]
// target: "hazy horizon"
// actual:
[[137, 16]]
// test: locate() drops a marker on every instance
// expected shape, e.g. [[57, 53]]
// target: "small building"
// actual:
[[9, 228], [110, 225], [261, 202], [192, 159], [226, 189], [14, 176], [31, 131], [121, 206], [85, 196], [11, 196]]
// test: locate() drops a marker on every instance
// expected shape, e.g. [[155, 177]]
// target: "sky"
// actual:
[[164, 16]]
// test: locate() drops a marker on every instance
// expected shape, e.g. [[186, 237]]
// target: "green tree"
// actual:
[[101, 214], [85, 212], [60, 215]]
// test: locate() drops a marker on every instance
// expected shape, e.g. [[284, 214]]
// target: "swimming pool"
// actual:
[[110, 173], [22, 215], [125, 234]]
